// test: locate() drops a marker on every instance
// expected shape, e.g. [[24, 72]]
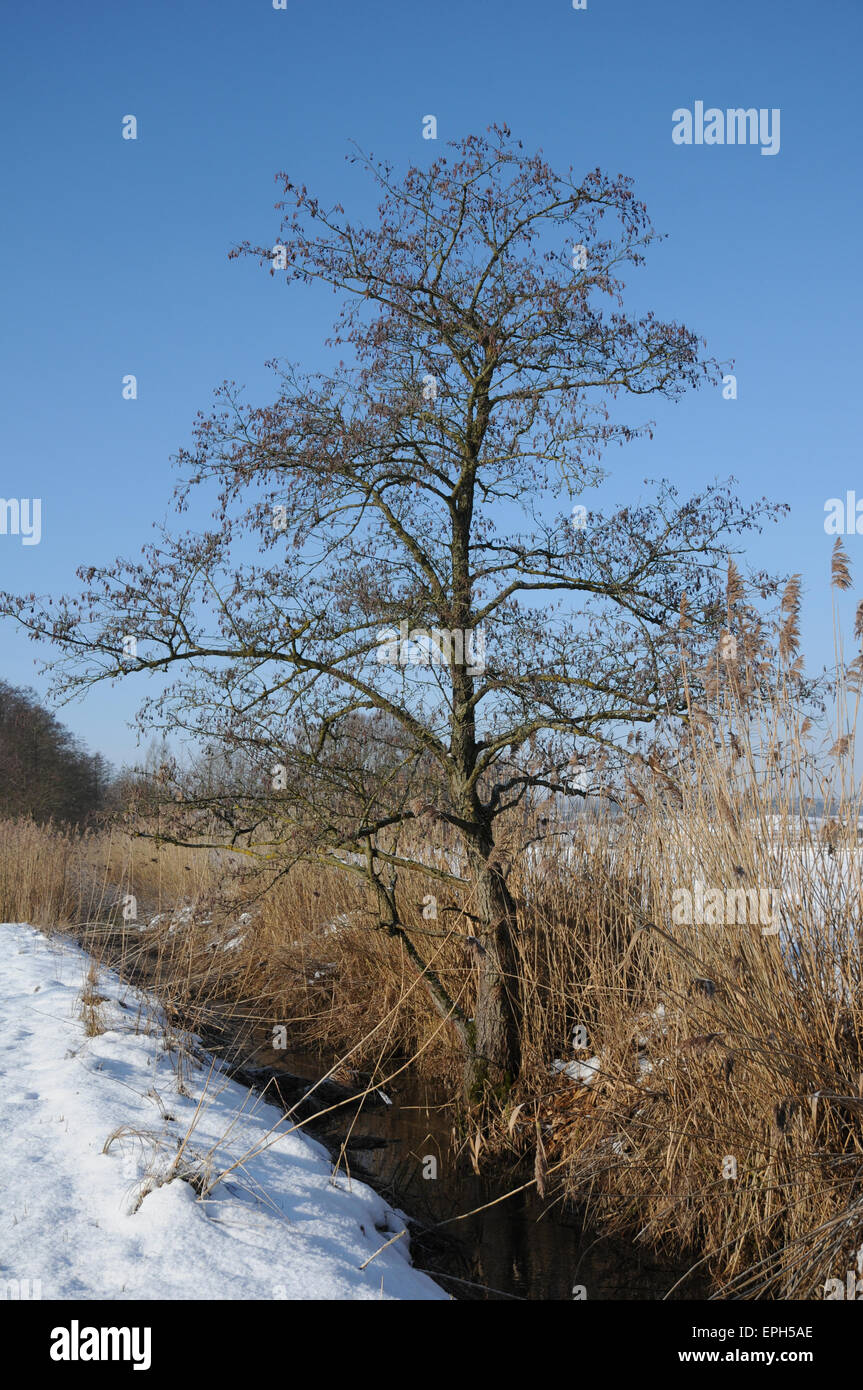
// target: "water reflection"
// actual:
[[520, 1247]]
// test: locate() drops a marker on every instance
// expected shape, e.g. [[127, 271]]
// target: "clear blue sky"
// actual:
[[115, 252]]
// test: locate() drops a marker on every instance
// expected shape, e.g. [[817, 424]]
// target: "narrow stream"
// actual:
[[466, 1232], [521, 1247]]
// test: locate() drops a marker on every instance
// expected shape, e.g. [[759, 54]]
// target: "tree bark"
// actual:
[[496, 1057]]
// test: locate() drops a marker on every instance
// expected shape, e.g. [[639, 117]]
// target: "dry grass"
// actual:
[[755, 1055], [90, 1000], [726, 1110]]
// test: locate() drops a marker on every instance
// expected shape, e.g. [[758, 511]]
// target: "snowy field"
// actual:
[[201, 1191]]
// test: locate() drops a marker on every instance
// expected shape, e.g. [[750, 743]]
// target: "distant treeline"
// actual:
[[44, 770]]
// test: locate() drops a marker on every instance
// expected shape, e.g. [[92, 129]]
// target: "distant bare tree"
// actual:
[[44, 771]]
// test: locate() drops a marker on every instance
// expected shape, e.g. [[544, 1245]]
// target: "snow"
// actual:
[[585, 1072], [102, 1198]]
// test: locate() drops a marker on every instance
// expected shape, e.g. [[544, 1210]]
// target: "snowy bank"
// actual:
[[131, 1169]]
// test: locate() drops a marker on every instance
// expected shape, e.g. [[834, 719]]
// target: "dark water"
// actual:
[[466, 1231], [520, 1247]]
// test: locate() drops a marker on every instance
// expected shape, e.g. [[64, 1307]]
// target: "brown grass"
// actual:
[[726, 1113]]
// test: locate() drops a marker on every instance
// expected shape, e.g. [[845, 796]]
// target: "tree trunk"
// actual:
[[497, 1024]]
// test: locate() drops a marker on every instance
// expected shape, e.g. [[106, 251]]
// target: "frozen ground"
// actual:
[[201, 1191]]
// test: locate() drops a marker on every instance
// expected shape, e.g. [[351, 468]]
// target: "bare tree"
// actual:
[[395, 605]]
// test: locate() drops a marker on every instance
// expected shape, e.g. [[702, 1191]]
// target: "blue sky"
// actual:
[[115, 252]]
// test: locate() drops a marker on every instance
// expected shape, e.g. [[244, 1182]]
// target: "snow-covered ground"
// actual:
[[107, 1143]]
